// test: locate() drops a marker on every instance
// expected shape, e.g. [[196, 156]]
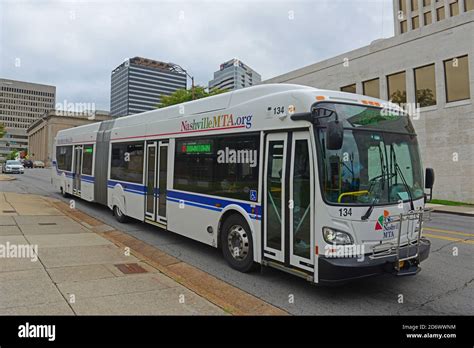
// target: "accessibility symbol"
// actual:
[[253, 195]]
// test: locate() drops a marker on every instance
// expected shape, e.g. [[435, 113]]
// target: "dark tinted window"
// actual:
[[64, 157], [425, 83], [397, 91], [224, 166], [127, 162], [87, 155], [349, 89], [457, 79]]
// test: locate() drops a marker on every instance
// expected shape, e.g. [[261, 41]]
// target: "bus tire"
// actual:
[[237, 243], [119, 215]]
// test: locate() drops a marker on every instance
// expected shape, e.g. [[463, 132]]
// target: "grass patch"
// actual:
[[451, 203]]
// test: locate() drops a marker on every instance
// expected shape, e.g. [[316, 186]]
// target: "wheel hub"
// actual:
[[238, 242]]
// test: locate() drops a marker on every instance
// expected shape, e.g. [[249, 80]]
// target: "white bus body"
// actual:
[[188, 168]]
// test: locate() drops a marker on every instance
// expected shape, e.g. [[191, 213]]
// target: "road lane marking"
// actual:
[[448, 231], [449, 238]]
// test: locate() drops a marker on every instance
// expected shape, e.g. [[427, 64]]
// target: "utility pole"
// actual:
[[179, 68]]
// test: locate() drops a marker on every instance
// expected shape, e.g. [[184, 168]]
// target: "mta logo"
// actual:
[[380, 221]]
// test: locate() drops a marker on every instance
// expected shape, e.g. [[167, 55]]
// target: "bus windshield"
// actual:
[[378, 163]]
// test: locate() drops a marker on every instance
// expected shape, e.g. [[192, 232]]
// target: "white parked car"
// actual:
[[12, 166], [38, 164]]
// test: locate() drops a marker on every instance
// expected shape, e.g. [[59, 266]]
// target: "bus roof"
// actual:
[[222, 102]]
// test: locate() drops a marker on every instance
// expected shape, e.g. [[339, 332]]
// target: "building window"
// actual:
[[425, 85], [428, 18], [469, 5], [127, 162], [64, 157], [426, 3], [396, 85], [87, 155], [349, 88], [225, 166], [372, 88], [414, 5], [402, 5], [440, 14], [454, 8], [403, 27], [415, 22], [457, 79]]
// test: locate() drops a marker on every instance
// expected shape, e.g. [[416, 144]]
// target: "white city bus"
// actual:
[[322, 184]]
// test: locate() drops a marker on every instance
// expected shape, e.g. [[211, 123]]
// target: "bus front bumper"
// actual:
[[341, 270]]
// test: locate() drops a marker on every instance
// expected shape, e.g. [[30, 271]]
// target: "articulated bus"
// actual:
[[322, 184]]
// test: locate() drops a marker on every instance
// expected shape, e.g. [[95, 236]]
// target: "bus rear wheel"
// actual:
[[119, 215], [237, 243]]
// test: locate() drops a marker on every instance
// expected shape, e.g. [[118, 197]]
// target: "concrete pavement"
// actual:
[[4, 177], [55, 260], [443, 287]]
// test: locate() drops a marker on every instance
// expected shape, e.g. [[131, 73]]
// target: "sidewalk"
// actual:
[[84, 267], [448, 209], [4, 177]]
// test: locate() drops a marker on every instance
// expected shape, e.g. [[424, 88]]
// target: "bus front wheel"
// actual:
[[237, 243], [119, 215]]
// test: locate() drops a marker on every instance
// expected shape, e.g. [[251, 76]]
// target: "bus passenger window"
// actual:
[[225, 166]]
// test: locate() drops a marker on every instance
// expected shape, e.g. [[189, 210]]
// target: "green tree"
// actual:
[[185, 95], [399, 97], [12, 155], [2, 130], [425, 97]]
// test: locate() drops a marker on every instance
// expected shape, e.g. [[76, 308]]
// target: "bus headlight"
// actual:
[[332, 236]]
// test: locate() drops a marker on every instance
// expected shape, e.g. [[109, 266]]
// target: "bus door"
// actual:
[[150, 179], [156, 182], [76, 181], [289, 201]]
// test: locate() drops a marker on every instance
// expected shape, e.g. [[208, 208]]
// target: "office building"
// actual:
[[234, 74], [41, 133], [21, 103], [428, 64], [138, 84]]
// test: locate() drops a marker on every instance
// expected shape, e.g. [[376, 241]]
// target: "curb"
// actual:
[[222, 294], [6, 178], [436, 210]]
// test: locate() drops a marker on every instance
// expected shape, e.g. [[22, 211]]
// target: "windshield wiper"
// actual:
[[397, 167], [399, 170], [370, 210]]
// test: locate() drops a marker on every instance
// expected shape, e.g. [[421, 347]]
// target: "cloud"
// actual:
[[76, 44]]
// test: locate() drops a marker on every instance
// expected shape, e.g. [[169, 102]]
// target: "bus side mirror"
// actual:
[[335, 135], [429, 178], [429, 182]]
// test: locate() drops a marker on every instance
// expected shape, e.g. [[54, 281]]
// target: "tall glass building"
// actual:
[[234, 74], [138, 84]]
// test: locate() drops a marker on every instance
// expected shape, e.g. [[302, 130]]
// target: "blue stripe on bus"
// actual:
[[212, 203], [85, 178], [190, 199], [194, 204], [128, 187]]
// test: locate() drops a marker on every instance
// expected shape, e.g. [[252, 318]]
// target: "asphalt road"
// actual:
[[445, 286]]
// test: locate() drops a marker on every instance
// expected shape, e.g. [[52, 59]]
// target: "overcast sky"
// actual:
[[75, 45]]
